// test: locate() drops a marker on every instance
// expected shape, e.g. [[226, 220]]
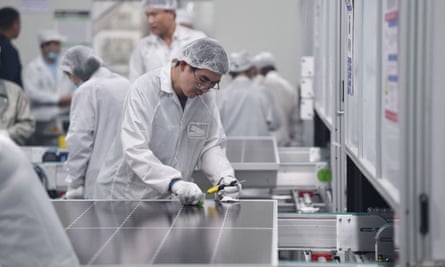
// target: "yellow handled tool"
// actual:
[[213, 189], [217, 187]]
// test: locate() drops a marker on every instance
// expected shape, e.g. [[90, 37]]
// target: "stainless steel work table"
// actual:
[[165, 232]]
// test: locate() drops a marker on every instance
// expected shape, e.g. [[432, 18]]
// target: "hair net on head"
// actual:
[[264, 59], [240, 61], [161, 4], [184, 16], [205, 53], [80, 61], [50, 36]]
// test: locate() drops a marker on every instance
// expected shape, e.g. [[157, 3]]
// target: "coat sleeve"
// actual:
[[294, 118], [213, 159], [137, 119], [273, 113], [24, 125], [136, 66], [80, 137]]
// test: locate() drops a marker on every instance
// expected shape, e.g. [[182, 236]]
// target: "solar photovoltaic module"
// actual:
[[166, 232]]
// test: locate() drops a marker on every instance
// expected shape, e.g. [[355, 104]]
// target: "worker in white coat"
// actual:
[[170, 125], [16, 119], [284, 94], [94, 118], [155, 50], [47, 87], [44, 81], [246, 108], [31, 233], [185, 18]]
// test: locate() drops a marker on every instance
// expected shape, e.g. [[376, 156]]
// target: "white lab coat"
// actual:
[[286, 99], [160, 141], [40, 85], [94, 121], [246, 109], [30, 230], [152, 52], [16, 117]]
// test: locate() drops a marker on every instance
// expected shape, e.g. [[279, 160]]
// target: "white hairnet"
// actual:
[[80, 61], [184, 16], [264, 59], [50, 35], [240, 61], [205, 53], [161, 4]]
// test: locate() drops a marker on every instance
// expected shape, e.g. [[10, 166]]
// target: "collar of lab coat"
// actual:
[[179, 34], [241, 78], [101, 71], [165, 76]]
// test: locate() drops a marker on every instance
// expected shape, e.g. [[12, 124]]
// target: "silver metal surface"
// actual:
[[254, 159], [302, 231], [357, 232], [299, 167], [299, 154], [253, 153], [56, 173]]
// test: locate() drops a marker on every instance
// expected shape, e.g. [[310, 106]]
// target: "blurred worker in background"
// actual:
[[94, 118], [185, 18], [257, 76], [31, 232], [284, 94], [47, 87], [16, 119], [45, 83], [10, 66], [246, 109], [155, 50], [170, 125]]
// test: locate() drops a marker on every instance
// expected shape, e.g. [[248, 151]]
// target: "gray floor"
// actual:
[[165, 232]]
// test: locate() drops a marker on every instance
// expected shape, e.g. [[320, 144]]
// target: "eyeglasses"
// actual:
[[203, 83]]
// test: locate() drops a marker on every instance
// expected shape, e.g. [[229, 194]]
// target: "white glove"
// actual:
[[232, 188], [74, 193], [188, 193]]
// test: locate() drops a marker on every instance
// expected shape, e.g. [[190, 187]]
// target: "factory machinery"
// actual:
[[298, 178], [48, 163]]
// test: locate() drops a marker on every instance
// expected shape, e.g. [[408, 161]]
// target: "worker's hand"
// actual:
[[65, 100], [188, 193], [74, 193], [232, 188]]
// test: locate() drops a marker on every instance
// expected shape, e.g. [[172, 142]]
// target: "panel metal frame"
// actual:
[[257, 165], [338, 161], [409, 148], [421, 32]]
